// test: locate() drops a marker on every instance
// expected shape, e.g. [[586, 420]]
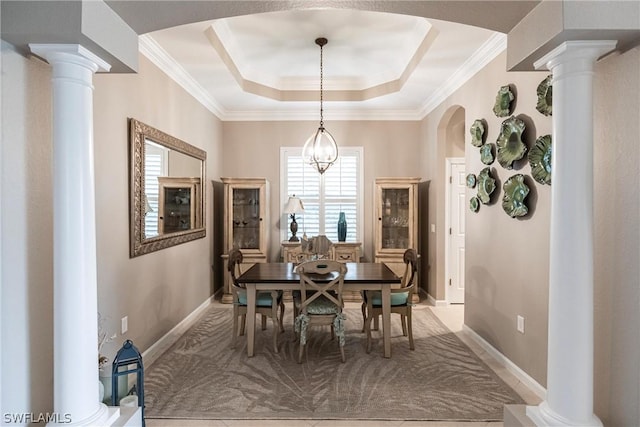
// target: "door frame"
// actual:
[[449, 162]]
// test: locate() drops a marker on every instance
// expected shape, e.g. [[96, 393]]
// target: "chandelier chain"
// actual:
[[321, 96]]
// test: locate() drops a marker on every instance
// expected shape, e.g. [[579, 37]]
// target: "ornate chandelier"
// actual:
[[320, 150]]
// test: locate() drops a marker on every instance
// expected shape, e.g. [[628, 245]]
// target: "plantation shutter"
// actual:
[[154, 166], [304, 182], [324, 196], [341, 195]]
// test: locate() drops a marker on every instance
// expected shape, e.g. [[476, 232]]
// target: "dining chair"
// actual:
[[314, 248], [319, 302], [267, 302], [400, 300]]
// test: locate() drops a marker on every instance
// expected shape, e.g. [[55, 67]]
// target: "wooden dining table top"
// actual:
[[283, 272]]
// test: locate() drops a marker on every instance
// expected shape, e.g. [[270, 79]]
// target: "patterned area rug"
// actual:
[[202, 376]]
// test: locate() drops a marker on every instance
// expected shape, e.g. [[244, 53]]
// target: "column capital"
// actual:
[[589, 50], [69, 52]]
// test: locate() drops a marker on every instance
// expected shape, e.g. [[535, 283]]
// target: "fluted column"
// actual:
[[569, 400], [74, 233]]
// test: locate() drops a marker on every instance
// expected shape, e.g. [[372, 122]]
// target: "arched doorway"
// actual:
[[451, 137]]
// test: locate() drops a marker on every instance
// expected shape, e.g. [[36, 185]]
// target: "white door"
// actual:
[[455, 233]]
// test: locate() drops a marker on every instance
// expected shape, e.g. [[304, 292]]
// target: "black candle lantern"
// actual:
[[127, 356]]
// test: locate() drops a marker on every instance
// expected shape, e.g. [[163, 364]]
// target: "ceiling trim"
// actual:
[[333, 115], [161, 59], [334, 89], [495, 45]]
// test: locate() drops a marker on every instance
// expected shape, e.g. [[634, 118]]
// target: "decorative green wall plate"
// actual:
[[474, 204], [471, 180], [515, 191], [477, 133], [486, 185], [545, 96], [486, 154], [540, 160], [502, 107], [509, 142]]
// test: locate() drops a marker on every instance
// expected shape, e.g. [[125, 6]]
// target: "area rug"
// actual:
[[202, 376]]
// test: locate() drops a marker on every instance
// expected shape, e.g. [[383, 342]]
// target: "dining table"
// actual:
[[282, 276]]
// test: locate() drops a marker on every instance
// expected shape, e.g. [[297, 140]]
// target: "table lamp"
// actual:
[[294, 206]]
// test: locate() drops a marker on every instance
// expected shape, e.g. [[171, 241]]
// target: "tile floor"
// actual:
[[453, 317]]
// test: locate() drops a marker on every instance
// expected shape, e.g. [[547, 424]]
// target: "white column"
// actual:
[[74, 234], [569, 400]]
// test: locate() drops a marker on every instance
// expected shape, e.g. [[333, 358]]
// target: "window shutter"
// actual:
[[341, 195], [324, 196], [154, 166]]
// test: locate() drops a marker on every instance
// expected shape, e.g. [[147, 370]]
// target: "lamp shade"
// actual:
[[294, 205], [147, 206]]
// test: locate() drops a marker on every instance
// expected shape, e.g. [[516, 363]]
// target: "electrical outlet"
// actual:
[[520, 324], [124, 324]]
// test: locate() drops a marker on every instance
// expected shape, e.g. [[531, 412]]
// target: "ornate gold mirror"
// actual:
[[166, 190]]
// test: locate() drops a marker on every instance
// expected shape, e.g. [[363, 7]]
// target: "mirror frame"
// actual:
[[138, 245]]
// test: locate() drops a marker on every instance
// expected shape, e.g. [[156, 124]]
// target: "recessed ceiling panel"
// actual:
[[376, 65]]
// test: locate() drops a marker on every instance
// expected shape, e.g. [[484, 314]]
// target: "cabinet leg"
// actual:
[[415, 298]]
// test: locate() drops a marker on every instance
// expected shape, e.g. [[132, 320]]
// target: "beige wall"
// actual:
[[252, 149], [455, 131], [156, 290], [506, 259], [26, 228], [617, 238]]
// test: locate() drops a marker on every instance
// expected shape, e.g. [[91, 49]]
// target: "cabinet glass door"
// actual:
[[395, 218], [246, 218], [176, 209]]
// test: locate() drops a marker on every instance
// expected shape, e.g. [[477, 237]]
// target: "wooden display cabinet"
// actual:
[[396, 222], [246, 223], [177, 201]]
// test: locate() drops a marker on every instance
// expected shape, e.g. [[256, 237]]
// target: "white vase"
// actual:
[[105, 380], [100, 391]]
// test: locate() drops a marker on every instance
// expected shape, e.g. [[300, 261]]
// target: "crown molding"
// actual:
[[335, 115], [165, 62], [494, 46]]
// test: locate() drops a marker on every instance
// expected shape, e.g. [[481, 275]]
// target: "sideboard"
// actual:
[[339, 251]]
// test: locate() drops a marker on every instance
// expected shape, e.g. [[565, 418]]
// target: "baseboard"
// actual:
[[436, 302], [532, 384], [152, 353]]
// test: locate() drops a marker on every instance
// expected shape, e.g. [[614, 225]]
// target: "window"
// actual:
[[339, 189]]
